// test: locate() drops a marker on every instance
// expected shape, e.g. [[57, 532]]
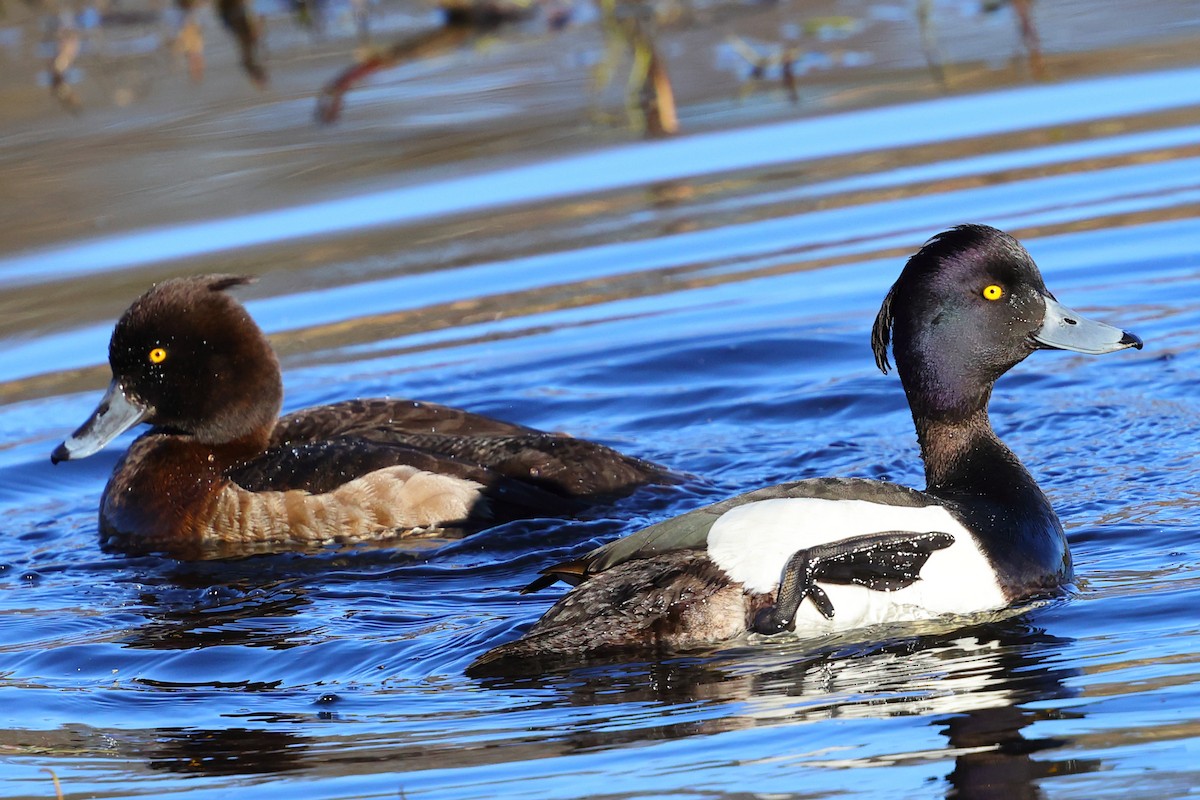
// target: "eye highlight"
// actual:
[[157, 355], [992, 292]]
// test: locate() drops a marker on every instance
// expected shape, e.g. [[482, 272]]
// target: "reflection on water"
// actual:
[[217, 616], [228, 751], [704, 302], [982, 693]]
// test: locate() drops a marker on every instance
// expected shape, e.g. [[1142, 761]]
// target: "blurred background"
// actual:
[[667, 227]]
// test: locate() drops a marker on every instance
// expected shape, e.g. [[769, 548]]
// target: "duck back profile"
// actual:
[[831, 555], [219, 471]]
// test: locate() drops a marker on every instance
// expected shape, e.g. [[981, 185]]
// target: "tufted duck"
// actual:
[[221, 473], [969, 306]]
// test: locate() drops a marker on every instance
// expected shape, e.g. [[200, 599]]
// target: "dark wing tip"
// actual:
[[569, 572]]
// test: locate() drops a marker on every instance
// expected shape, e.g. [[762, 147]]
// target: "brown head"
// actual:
[[186, 357]]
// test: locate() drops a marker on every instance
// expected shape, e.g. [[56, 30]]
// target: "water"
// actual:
[[712, 315]]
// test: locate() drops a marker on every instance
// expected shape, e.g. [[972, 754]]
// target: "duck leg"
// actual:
[[881, 561]]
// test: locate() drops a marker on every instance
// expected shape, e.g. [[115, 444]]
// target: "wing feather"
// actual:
[[689, 531]]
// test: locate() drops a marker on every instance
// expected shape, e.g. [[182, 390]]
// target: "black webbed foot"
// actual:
[[882, 561], [797, 582]]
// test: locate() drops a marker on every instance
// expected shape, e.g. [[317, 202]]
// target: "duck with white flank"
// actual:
[[827, 555]]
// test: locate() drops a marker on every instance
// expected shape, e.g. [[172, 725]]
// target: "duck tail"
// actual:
[[569, 572]]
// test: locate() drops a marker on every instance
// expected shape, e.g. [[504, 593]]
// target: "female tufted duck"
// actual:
[[967, 307], [220, 473]]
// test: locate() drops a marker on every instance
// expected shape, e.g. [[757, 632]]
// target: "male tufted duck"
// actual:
[[967, 307], [221, 473]]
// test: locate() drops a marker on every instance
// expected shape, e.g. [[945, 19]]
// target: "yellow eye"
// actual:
[[992, 292], [158, 355]]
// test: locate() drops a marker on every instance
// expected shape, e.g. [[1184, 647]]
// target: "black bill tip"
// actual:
[[1132, 340], [61, 453]]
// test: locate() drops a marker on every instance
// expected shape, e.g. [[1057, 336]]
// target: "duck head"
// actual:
[[186, 358], [968, 306]]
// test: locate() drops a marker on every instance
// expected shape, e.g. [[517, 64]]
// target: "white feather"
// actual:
[[753, 542]]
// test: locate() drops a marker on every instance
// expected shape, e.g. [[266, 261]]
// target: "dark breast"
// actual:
[[1021, 536]]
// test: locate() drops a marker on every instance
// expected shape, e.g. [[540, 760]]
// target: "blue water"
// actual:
[[714, 317]]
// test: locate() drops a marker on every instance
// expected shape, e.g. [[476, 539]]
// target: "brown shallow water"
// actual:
[[182, 151], [489, 229]]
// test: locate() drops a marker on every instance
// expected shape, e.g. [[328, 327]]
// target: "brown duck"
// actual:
[[220, 473]]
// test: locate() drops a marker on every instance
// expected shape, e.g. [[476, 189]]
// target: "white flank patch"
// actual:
[[753, 542]]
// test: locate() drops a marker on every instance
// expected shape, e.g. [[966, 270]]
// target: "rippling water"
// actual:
[[703, 302]]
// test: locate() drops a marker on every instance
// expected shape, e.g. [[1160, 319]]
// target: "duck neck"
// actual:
[[965, 454], [965, 460], [242, 407], [987, 487], [949, 403]]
